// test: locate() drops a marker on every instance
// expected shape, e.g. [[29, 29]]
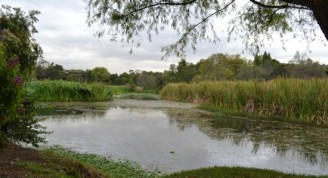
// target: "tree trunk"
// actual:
[[320, 11]]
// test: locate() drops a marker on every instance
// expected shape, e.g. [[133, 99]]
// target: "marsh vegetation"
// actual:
[[296, 99], [58, 90]]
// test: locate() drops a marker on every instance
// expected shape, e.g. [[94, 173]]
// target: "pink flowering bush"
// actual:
[[18, 55], [17, 122], [10, 91]]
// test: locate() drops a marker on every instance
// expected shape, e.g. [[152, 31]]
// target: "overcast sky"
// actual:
[[67, 40]]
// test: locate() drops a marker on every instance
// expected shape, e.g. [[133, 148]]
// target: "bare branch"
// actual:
[[285, 6], [303, 3]]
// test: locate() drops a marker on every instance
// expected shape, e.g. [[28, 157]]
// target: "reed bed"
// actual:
[[298, 99], [65, 91]]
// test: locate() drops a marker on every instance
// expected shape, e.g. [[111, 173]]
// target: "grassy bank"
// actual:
[[58, 162], [103, 166], [64, 91], [233, 172], [305, 100]]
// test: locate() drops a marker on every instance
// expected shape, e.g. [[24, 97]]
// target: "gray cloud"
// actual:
[[67, 40]]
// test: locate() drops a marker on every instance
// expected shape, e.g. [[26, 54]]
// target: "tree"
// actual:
[[254, 21], [40, 69], [50, 71], [185, 71], [271, 66], [16, 33], [248, 72], [77, 75], [302, 67], [18, 55], [124, 78], [100, 74], [55, 72], [170, 76], [220, 67], [115, 80], [147, 80]]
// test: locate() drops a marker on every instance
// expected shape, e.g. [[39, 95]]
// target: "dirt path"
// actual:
[[10, 155]]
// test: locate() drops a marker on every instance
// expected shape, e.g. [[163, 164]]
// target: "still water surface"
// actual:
[[170, 137]]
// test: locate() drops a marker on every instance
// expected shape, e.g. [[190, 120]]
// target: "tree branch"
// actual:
[[303, 3], [161, 3], [285, 6], [203, 20]]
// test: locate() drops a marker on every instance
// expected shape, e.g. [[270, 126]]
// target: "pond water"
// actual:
[[169, 137]]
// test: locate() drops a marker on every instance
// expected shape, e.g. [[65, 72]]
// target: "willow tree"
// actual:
[[254, 21]]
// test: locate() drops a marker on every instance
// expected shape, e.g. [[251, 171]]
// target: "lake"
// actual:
[[171, 136]]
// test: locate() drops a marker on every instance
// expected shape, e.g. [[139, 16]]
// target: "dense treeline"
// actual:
[[215, 67]]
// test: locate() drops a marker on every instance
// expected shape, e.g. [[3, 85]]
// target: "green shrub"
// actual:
[[17, 122], [18, 55]]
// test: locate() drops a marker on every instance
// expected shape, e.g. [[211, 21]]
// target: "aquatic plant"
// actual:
[[298, 99], [108, 167], [70, 91]]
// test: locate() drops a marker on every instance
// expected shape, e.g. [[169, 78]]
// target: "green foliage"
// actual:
[[253, 22], [297, 99], [107, 167], [185, 71], [100, 74], [123, 79], [18, 53], [149, 80], [17, 122], [53, 165], [11, 92], [139, 96], [70, 91], [234, 67], [118, 90], [248, 72], [234, 172], [50, 71], [302, 67], [220, 67], [16, 30]]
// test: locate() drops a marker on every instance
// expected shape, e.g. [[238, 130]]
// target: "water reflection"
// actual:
[[174, 136], [308, 141]]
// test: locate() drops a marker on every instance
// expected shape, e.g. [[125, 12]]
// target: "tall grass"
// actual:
[[70, 91], [298, 99]]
